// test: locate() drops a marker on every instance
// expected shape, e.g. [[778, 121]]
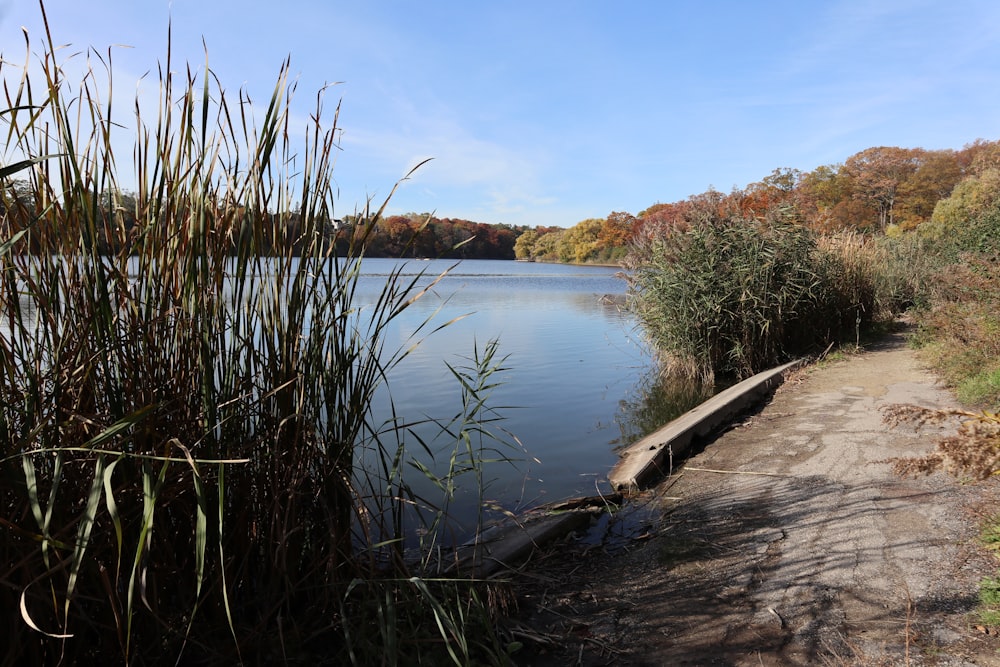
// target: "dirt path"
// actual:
[[786, 541]]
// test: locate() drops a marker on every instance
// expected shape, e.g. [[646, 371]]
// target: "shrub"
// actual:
[[959, 321], [961, 328]]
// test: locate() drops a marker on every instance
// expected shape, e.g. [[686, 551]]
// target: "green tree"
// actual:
[[970, 201]]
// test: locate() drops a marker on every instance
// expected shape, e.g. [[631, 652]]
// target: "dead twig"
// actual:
[[737, 472]]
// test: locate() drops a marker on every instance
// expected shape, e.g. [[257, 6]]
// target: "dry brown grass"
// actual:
[[973, 451]]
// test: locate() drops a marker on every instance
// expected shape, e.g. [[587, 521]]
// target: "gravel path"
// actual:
[[785, 541]]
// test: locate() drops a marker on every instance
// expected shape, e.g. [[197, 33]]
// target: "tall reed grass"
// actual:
[[728, 297], [191, 467]]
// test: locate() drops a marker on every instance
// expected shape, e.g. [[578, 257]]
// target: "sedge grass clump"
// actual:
[[725, 296], [731, 296], [849, 284], [187, 389]]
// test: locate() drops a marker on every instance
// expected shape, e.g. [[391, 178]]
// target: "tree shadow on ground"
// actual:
[[720, 580]]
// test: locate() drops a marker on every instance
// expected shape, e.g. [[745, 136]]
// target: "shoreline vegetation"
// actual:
[[191, 472]]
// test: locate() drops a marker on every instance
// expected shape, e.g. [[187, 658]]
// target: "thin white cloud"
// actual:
[[498, 177], [531, 125]]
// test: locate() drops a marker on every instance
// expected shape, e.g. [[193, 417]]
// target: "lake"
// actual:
[[577, 384]]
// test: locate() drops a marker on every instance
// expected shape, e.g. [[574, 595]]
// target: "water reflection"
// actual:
[[655, 400], [578, 382]]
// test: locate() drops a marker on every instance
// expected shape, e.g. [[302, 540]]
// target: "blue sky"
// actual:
[[547, 113]]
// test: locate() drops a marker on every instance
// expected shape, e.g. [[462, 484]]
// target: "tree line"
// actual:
[[426, 236], [882, 189]]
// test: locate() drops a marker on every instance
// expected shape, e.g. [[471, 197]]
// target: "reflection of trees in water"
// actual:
[[611, 305], [654, 401]]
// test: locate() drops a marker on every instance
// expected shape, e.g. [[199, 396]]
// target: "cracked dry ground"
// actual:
[[787, 540]]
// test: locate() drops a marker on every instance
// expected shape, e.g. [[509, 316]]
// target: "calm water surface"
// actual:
[[576, 386], [577, 376]]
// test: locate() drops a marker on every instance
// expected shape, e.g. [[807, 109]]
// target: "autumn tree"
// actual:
[[759, 199], [579, 242], [663, 220], [935, 177], [877, 174], [18, 208], [708, 205], [423, 235], [615, 235], [547, 246], [659, 218], [978, 156], [524, 246], [395, 235], [819, 191]]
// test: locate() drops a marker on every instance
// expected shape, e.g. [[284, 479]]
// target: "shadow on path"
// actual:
[[786, 541]]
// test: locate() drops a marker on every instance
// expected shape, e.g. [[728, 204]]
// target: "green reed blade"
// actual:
[[84, 530], [113, 513]]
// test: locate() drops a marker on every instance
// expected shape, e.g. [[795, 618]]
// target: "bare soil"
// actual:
[[787, 540]]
